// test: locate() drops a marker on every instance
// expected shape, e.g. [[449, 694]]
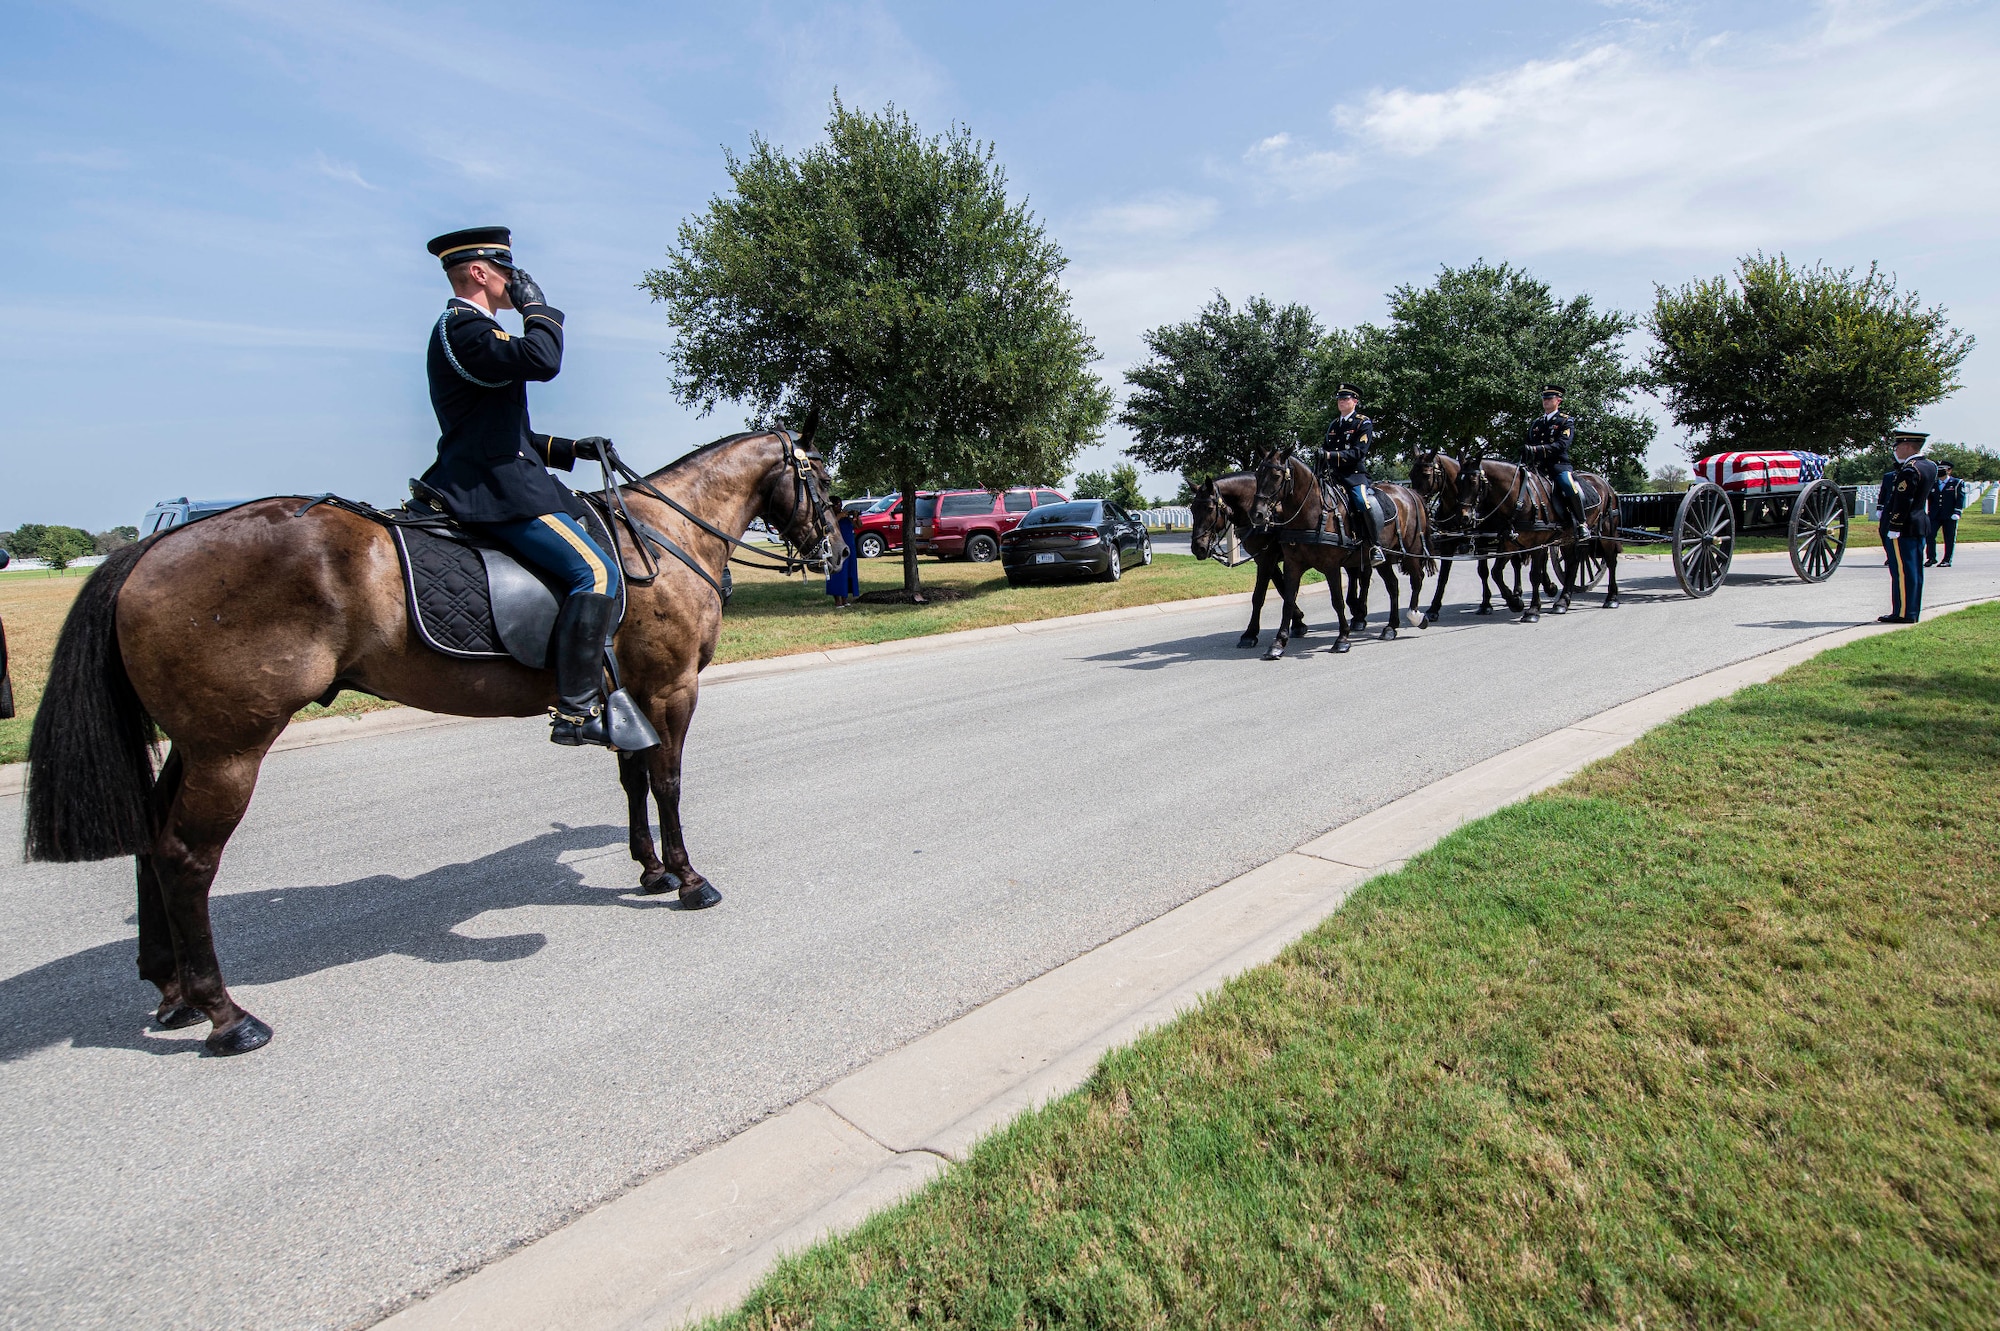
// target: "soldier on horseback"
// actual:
[[1344, 458], [491, 469], [1547, 451]]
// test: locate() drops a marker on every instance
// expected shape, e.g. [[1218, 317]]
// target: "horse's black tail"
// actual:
[[90, 755]]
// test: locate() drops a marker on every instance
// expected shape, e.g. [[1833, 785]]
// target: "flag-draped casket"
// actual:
[[1765, 471]]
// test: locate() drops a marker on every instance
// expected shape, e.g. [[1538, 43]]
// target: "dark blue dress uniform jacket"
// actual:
[[1906, 493], [1347, 444], [490, 467], [1549, 438]]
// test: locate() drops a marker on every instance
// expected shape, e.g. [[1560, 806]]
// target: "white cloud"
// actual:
[[345, 172], [1653, 141], [1164, 213], [1281, 160]]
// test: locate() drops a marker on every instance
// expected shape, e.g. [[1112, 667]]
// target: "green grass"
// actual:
[[1707, 1036]]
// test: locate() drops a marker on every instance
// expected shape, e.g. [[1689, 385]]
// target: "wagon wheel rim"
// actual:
[[1704, 540], [1819, 531], [1590, 571]]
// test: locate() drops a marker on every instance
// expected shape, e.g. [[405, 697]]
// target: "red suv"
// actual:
[[971, 522], [880, 529]]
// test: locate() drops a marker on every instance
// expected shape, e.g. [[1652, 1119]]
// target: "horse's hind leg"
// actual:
[[204, 811], [1611, 572], [1395, 589], [632, 776], [1536, 572], [1289, 575], [157, 965]]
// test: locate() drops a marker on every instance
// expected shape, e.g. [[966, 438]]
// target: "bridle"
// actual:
[[1285, 491], [808, 496]]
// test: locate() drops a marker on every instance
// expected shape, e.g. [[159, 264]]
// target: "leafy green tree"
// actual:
[[1799, 357], [1120, 485], [882, 290], [105, 542], [1223, 389], [1672, 478], [57, 546], [1461, 365]]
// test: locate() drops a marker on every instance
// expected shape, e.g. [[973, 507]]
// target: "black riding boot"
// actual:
[[1364, 527], [580, 631]]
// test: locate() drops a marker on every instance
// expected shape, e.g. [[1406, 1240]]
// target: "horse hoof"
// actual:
[[1388, 634], [654, 882], [238, 1037], [1247, 640], [1611, 603], [1343, 645], [1531, 619], [699, 898], [1558, 609], [177, 1016], [1484, 610]]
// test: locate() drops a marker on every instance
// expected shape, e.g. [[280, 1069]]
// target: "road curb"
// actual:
[[693, 1240]]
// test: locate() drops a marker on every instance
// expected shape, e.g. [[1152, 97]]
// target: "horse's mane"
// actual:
[[705, 450]]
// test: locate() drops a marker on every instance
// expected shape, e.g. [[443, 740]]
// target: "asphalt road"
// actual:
[[481, 1031]]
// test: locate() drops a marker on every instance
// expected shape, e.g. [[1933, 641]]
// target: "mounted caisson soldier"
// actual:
[[1549, 439], [1344, 458], [491, 469]]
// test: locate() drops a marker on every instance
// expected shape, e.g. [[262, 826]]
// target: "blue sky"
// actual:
[[214, 213]]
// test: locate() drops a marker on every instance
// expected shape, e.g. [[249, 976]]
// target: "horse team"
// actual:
[[1501, 514]]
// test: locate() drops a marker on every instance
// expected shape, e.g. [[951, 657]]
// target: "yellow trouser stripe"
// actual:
[[1900, 597], [599, 582]]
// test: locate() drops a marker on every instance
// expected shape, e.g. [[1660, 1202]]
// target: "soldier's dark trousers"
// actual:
[[1948, 529], [1906, 575]]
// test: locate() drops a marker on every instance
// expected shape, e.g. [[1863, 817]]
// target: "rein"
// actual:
[[805, 494]]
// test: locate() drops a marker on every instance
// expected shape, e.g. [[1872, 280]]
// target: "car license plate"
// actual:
[[1048, 558]]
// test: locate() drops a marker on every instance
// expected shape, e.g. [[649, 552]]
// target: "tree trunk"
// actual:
[[913, 585]]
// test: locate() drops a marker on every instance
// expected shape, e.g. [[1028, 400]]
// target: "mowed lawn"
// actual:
[[767, 616], [1708, 1036]]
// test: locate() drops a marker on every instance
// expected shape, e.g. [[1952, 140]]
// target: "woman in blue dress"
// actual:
[[844, 583]]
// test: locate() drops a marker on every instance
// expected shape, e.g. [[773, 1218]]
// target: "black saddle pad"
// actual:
[[453, 577], [1333, 494]]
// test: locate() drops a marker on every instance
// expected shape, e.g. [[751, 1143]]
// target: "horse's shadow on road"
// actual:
[[95, 999]]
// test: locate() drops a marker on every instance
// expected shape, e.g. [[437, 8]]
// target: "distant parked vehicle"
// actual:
[[854, 508], [169, 513], [880, 529], [1084, 538], [971, 522]]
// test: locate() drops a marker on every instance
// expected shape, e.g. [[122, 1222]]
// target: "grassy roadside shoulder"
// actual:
[[1709, 1035], [768, 616]]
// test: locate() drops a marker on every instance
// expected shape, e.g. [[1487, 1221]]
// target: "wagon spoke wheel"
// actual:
[[1819, 531], [1589, 571], [1704, 539]]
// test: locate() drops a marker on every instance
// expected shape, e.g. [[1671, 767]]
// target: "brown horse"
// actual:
[[1217, 506], [1513, 505], [1292, 505], [217, 633], [1434, 475]]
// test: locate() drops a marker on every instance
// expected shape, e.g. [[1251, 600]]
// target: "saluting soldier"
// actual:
[[1549, 438], [491, 469], [1947, 502], [1905, 525], [1344, 457]]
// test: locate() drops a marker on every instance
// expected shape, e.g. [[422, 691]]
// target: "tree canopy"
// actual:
[[52, 543], [881, 289], [1799, 357], [1120, 485], [1462, 363], [1222, 389]]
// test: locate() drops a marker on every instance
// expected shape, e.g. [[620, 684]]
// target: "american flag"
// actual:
[[1771, 470]]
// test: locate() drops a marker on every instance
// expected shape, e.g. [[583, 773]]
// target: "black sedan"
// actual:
[[1085, 538]]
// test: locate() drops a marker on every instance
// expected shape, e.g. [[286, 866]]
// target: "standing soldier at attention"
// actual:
[[1344, 457], [1905, 525], [491, 470], [1547, 451], [1947, 502]]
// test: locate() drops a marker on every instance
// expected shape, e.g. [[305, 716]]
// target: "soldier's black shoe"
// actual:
[[580, 631]]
